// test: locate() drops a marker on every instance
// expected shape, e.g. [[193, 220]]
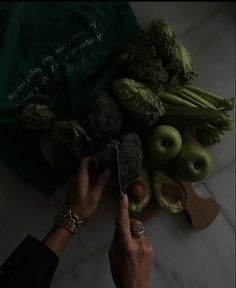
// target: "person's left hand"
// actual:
[[81, 198]]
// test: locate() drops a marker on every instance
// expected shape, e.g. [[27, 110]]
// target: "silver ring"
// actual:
[[138, 230]]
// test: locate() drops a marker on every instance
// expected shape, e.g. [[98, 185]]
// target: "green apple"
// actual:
[[164, 142], [193, 163]]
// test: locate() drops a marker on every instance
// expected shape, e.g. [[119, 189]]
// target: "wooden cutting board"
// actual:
[[202, 211]]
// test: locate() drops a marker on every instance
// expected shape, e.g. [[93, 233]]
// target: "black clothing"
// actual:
[[31, 265]]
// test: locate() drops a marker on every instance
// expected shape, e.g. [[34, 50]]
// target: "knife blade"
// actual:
[[118, 168]]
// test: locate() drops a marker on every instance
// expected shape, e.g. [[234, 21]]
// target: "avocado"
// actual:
[[169, 193], [139, 192]]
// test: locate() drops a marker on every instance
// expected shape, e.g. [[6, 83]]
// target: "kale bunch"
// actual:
[[143, 62], [155, 56]]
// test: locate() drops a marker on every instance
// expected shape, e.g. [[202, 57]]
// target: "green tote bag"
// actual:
[[53, 53]]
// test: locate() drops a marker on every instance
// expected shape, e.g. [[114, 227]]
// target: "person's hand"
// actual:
[[130, 258], [81, 198]]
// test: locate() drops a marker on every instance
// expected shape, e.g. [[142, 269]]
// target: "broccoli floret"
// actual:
[[104, 119], [130, 158]]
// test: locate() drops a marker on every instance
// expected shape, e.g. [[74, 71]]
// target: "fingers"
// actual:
[[84, 166], [143, 243], [122, 222], [81, 177], [100, 185], [134, 222]]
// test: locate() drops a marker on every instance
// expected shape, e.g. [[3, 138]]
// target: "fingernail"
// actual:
[[123, 197]]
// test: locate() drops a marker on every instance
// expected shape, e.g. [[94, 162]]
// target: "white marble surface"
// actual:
[[183, 257]]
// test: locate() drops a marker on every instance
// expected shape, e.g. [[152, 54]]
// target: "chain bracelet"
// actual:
[[67, 213]]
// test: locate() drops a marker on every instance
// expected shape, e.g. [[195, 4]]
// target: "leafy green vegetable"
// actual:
[[203, 115], [68, 133], [142, 62], [149, 72], [181, 63], [169, 98], [127, 51], [162, 36], [168, 48], [206, 125], [140, 102], [189, 96], [207, 134], [156, 56], [217, 101], [37, 117], [194, 97], [195, 116]]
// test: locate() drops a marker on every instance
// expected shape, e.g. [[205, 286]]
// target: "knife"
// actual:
[[118, 168]]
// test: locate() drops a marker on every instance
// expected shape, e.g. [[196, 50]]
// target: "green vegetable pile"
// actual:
[[156, 89], [158, 60]]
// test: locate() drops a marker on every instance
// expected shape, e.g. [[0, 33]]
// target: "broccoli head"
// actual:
[[130, 158], [104, 119]]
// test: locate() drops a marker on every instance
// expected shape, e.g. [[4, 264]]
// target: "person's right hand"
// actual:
[[130, 258]]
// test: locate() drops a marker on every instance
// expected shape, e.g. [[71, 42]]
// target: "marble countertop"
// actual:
[[184, 257]]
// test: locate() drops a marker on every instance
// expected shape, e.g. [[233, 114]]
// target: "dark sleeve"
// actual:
[[31, 265]]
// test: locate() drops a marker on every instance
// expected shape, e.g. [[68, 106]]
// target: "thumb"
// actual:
[[100, 184]]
